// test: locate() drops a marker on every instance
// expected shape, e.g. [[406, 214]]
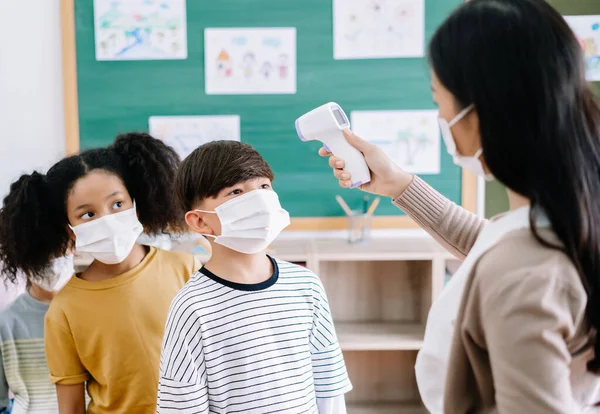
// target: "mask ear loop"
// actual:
[[461, 115], [211, 212]]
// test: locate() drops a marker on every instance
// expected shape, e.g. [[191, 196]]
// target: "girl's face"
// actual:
[[95, 195]]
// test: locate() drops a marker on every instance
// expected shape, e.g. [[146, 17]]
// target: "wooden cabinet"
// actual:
[[380, 293]]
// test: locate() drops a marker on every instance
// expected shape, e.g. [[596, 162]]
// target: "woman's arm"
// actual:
[[71, 398], [452, 226]]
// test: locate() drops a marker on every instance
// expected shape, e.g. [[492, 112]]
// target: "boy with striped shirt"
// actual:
[[248, 333]]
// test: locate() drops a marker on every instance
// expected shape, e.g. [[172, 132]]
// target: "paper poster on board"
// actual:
[[250, 61], [410, 138], [376, 29], [186, 133], [140, 29], [587, 29]]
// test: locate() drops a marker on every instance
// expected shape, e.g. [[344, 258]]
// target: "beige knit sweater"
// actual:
[[521, 339]]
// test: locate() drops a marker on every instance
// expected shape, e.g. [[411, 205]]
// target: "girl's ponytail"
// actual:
[[31, 231]]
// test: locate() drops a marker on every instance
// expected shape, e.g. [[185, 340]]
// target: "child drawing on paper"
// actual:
[[590, 49], [591, 53], [283, 65], [590, 43], [109, 44], [354, 26], [376, 25], [248, 63], [224, 65], [266, 69], [218, 132], [414, 145]]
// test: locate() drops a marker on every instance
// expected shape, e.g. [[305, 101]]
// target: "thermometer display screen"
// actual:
[[341, 119]]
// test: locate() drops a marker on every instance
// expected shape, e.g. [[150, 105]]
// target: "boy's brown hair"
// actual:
[[217, 165]]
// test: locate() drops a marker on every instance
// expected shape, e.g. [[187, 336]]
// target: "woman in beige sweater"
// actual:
[[514, 331]]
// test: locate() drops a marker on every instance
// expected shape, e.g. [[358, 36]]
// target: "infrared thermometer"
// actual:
[[326, 124]]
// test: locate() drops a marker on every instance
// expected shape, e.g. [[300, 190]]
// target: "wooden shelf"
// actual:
[[379, 249], [380, 336], [386, 409], [291, 250]]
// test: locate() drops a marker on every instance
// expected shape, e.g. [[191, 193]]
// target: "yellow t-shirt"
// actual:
[[109, 333]]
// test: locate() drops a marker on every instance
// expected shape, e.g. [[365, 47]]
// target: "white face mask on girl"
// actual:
[[110, 238], [471, 162], [58, 274], [250, 222]]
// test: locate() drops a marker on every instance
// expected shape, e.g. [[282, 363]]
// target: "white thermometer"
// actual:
[[326, 124]]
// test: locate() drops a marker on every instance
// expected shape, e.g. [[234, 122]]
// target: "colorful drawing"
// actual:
[[266, 69], [283, 66], [140, 29], [249, 61], [410, 145], [224, 65], [587, 29], [410, 138], [266, 58], [369, 29], [186, 133]]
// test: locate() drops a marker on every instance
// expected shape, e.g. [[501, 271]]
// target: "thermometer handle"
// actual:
[[354, 160]]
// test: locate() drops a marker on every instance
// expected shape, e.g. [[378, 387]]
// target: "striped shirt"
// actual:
[[23, 367], [264, 348]]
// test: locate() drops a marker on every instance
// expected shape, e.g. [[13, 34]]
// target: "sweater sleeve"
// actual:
[[450, 225]]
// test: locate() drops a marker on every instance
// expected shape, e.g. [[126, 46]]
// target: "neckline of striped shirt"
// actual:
[[246, 287]]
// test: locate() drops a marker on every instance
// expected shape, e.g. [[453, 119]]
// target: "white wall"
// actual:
[[31, 105]]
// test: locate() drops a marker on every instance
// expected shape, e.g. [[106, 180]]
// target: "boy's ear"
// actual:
[[195, 221]]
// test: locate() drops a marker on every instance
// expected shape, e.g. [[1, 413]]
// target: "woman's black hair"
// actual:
[[33, 218], [521, 66]]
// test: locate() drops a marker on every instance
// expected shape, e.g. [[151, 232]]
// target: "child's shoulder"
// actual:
[[178, 259], [290, 267], [192, 288], [171, 256], [12, 311], [288, 270]]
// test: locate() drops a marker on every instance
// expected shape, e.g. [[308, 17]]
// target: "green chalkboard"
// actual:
[[119, 96]]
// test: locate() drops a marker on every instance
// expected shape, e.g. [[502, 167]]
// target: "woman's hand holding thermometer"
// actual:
[[387, 179], [355, 162], [326, 124]]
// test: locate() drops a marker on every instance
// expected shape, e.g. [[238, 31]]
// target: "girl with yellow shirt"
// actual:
[[104, 329]]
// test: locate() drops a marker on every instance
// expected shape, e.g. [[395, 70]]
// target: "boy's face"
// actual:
[[208, 223]]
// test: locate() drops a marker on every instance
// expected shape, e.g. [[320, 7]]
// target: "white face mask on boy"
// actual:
[[110, 238], [470, 162], [250, 222], [58, 274]]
